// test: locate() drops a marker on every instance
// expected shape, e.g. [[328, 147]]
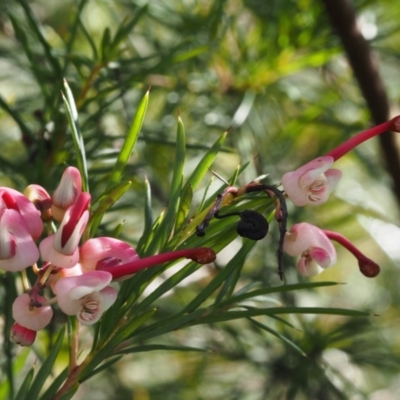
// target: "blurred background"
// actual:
[[291, 79]]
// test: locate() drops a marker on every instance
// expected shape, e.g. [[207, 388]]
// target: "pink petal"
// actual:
[[35, 318], [50, 254], [27, 210], [105, 249], [17, 248]]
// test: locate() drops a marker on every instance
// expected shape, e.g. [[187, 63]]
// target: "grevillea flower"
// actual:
[[14, 200], [21, 335], [31, 316], [61, 249], [66, 193], [17, 248], [105, 251], [87, 296], [201, 255], [312, 244], [312, 183]]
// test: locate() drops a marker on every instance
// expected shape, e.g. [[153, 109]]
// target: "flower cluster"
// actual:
[[75, 277], [312, 184]]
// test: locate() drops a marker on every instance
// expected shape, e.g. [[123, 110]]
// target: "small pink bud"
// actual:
[[22, 336], [67, 192], [40, 199]]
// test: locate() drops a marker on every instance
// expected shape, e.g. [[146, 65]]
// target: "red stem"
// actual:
[[368, 267], [201, 255], [361, 137]]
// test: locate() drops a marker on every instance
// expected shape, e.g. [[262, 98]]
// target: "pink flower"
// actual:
[[105, 251], [31, 316], [314, 247], [12, 199], [312, 183], [87, 296], [61, 249], [67, 192], [201, 255], [22, 336], [17, 248]]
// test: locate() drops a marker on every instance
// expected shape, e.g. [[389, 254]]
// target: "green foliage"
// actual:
[[74, 93]]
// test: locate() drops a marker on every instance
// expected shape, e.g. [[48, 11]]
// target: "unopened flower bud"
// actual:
[[40, 199], [22, 336], [66, 193]]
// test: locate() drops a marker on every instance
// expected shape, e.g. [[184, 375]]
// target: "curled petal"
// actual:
[[17, 248], [313, 245], [31, 317], [50, 253], [105, 250], [312, 183], [12, 199], [87, 296]]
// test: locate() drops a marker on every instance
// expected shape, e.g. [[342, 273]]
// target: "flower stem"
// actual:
[[342, 149], [368, 268], [201, 255]]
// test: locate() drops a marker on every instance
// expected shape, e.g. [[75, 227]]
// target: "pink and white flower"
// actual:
[[312, 183], [87, 296], [31, 316], [14, 200], [105, 251], [17, 248], [311, 243], [22, 336], [61, 249]]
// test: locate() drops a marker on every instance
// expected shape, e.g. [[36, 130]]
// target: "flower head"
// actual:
[[312, 183], [314, 247], [87, 296]]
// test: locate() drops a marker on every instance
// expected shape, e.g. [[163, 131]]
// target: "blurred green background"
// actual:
[[275, 73]]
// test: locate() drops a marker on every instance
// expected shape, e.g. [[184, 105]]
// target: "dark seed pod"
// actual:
[[252, 225]]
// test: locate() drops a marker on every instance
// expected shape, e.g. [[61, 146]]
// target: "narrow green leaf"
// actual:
[[203, 167], [129, 142], [105, 44], [153, 347], [278, 335], [23, 390], [45, 370], [237, 298], [164, 232], [218, 316], [184, 207], [55, 385], [224, 274], [102, 367], [148, 215], [72, 115], [106, 201]]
